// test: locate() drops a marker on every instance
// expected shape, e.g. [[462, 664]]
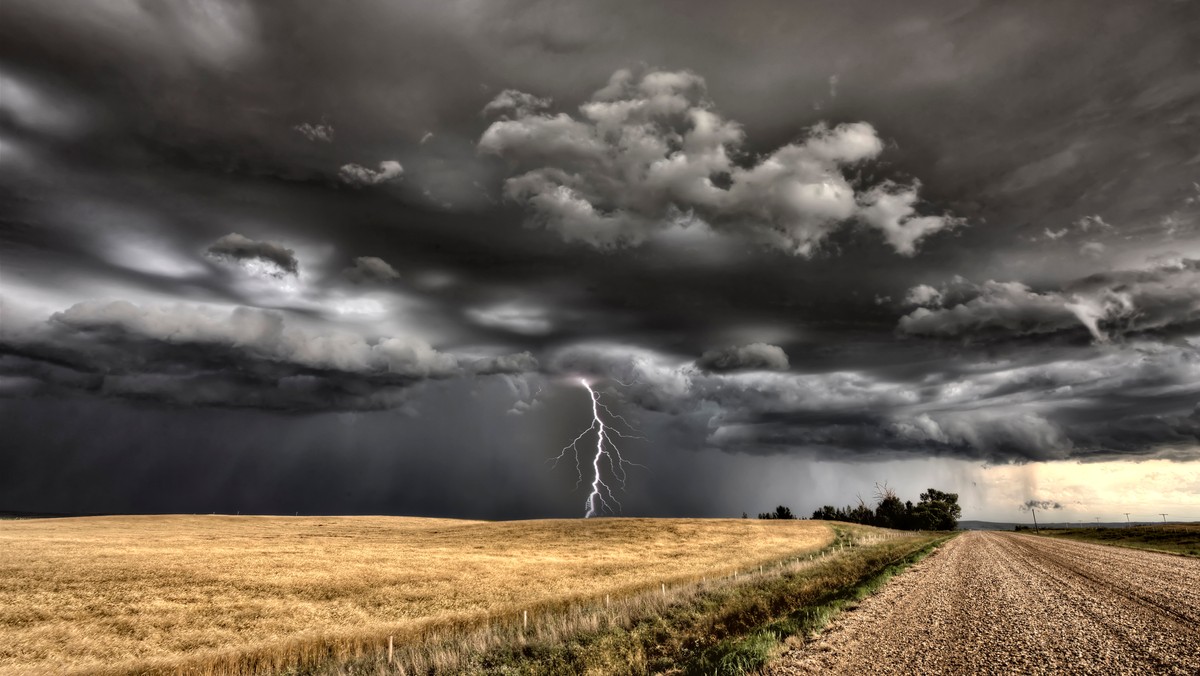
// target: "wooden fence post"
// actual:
[[390, 656]]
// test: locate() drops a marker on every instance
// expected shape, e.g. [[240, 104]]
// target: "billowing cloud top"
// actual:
[[650, 151]]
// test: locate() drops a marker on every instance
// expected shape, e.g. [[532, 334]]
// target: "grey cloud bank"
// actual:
[[1161, 298]]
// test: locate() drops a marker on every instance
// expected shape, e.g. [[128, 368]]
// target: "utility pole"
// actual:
[[1164, 516], [1097, 522], [1035, 528], [1127, 523]]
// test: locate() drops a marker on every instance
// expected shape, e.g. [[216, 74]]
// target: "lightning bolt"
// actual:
[[607, 453]]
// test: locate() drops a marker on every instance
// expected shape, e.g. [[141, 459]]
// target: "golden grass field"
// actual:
[[152, 593]]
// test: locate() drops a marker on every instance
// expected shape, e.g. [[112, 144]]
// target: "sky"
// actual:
[[360, 257]]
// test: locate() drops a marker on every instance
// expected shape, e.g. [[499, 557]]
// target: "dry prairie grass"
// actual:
[[189, 593]]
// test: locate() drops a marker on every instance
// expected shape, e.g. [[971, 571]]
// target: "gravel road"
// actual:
[[1004, 603]]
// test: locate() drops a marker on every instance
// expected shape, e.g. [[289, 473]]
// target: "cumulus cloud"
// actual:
[[370, 269], [651, 152], [511, 102], [755, 356], [923, 294], [892, 209], [358, 175], [316, 132], [239, 248], [1107, 305], [242, 357]]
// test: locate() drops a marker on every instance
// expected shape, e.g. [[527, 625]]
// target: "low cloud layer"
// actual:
[[1095, 406], [1107, 305], [649, 150], [240, 357]]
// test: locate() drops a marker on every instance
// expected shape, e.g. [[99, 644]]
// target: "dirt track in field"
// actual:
[[1004, 603]]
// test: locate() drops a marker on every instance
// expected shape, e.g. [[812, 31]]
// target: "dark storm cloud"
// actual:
[[738, 357], [1020, 178], [1103, 404], [241, 248], [196, 355], [1118, 303]]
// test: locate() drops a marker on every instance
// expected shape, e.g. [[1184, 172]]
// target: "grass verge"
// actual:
[[751, 652], [730, 625], [1183, 539]]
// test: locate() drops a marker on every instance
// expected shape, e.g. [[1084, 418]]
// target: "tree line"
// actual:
[[936, 510]]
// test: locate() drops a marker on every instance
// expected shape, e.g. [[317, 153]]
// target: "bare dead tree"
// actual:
[[883, 491]]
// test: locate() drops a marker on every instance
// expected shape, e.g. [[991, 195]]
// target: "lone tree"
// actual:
[[936, 511], [780, 512]]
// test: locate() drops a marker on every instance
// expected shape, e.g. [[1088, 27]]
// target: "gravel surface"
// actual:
[[1004, 603]]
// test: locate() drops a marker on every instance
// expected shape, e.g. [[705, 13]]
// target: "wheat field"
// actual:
[[164, 593]]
